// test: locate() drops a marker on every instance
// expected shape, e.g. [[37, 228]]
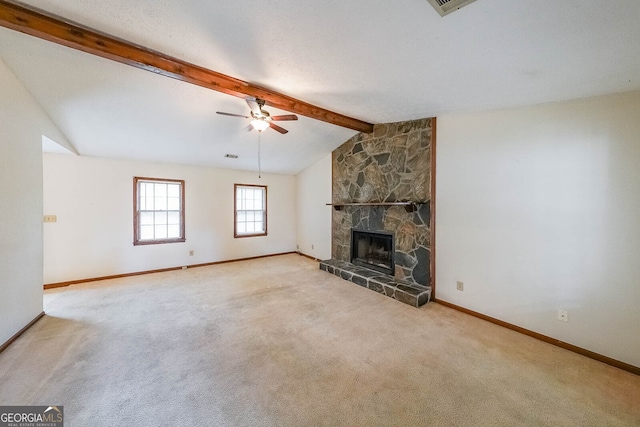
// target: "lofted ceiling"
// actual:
[[373, 60]]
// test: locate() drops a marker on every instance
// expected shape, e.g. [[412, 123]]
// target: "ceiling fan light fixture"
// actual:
[[261, 119], [260, 125]]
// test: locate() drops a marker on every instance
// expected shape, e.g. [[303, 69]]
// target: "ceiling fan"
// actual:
[[261, 119]]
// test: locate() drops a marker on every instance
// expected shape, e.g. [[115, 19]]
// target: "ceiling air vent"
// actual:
[[444, 7]]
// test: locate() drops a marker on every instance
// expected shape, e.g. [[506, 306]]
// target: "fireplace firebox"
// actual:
[[374, 250]]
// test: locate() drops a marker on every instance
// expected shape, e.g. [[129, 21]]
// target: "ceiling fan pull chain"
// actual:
[[259, 165]]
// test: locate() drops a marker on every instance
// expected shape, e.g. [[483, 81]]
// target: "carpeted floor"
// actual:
[[277, 342]]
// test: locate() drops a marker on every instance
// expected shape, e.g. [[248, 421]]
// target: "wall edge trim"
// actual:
[[160, 270], [10, 341], [433, 207], [308, 256], [558, 343]]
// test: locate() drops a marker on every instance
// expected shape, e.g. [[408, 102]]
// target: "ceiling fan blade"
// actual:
[[249, 128], [232, 115], [253, 104], [278, 128], [284, 117]]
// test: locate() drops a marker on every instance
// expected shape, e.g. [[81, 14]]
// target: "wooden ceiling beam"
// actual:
[[48, 27]]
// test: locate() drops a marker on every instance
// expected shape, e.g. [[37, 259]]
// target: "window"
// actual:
[[158, 211], [250, 210]]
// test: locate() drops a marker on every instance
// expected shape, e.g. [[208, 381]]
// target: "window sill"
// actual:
[[239, 236], [158, 242]]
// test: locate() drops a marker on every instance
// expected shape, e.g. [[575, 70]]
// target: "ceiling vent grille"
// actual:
[[444, 7]]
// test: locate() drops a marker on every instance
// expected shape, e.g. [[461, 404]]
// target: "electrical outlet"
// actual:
[[563, 315], [190, 253], [50, 218], [460, 286], [184, 267]]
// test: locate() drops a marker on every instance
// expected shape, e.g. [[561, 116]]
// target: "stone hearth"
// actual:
[[408, 293]]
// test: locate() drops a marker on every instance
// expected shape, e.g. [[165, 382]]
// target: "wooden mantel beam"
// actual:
[[48, 27]]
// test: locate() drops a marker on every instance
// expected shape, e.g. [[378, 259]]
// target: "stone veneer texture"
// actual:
[[392, 164]]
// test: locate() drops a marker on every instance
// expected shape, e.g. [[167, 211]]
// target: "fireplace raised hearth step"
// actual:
[[408, 293]]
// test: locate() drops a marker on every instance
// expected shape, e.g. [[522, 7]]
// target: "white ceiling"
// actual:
[[375, 60]]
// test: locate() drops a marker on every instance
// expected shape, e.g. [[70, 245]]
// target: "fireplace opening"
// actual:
[[373, 250]]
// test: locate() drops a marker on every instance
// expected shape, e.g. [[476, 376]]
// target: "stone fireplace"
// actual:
[[382, 184]]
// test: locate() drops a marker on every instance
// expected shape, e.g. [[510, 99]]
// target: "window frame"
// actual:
[[136, 212], [235, 211]]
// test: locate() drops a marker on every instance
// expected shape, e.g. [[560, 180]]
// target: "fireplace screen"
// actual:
[[373, 250]]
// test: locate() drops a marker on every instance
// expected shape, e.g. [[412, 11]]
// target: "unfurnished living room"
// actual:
[[301, 213]]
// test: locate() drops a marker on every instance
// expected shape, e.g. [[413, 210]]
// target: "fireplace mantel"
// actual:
[[409, 206]]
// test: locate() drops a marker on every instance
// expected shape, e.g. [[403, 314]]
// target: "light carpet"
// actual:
[[277, 342]]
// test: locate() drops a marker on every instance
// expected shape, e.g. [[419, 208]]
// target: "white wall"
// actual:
[[314, 216], [538, 209], [93, 200], [22, 124]]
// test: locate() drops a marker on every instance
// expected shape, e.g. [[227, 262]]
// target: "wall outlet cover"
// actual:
[[563, 315]]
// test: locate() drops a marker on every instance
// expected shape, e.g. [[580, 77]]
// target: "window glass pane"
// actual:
[[242, 227], [173, 190], [146, 232], [160, 189], [173, 204], [173, 231], [141, 196], [173, 218], [149, 205], [239, 194], [160, 231], [161, 218], [161, 204], [257, 216], [251, 227], [149, 189], [146, 218], [259, 226], [250, 216]]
